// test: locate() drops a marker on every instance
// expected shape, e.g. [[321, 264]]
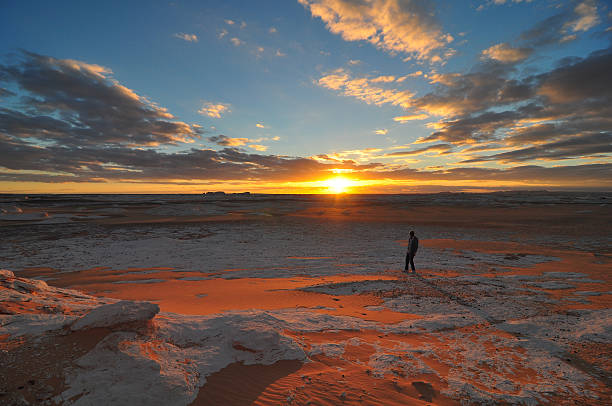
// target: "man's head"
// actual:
[[412, 233]]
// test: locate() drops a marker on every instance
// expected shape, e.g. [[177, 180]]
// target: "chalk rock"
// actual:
[[112, 314], [30, 285]]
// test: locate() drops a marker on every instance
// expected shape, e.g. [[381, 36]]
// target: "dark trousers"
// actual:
[[409, 260]]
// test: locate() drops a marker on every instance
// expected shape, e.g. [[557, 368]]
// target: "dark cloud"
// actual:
[[592, 175], [5, 93], [559, 114], [67, 164], [547, 31], [84, 164], [75, 103], [487, 85], [327, 158], [574, 147], [586, 79], [440, 149], [493, 104], [219, 139], [472, 128], [227, 141]]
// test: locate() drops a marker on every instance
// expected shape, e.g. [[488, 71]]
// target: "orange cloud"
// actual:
[[362, 89], [383, 79], [214, 110], [392, 25], [403, 119], [507, 54], [258, 147], [587, 17], [228, 141]]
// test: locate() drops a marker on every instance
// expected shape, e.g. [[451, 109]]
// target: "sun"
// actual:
[[337, 184]]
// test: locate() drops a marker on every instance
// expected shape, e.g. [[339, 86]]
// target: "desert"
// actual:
[[303, 300]]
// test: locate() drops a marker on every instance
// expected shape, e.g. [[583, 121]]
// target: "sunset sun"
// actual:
[[338, 184]]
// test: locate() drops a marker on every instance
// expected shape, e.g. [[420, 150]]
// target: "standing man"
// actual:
[[413, 246]]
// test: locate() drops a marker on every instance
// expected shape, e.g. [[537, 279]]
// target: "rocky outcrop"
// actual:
[[116, 313]]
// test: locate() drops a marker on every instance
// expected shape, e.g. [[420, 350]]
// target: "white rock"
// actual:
[[32, 324], [30, 285], [116, 313]]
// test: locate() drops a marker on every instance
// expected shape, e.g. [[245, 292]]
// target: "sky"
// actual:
[[305, 96]]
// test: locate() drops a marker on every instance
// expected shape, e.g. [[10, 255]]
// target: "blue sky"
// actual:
[[300, 79]]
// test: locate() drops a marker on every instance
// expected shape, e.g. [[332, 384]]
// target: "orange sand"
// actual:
[[331, 380]]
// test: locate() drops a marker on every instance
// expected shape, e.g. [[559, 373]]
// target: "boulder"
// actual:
[[30, 285], [113, 314]]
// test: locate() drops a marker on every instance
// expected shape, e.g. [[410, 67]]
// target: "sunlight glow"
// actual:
[[338, 184]]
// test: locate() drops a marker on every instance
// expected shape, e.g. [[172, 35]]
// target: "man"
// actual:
[[413, 246]]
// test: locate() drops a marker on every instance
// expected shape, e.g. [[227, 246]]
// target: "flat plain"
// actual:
[[295, 299]]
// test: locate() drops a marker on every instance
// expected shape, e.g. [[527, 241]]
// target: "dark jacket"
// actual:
[[413, 245]]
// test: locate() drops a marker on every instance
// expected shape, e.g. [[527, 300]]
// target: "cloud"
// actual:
[[362, 89], [403, 119], [272, 30], [410, 75], [236, 41], [230, 22], [395, 26], [214, 110], [487, 85], [562, 27], [574, 147], [69, 102], [438, 149], [383, 79], [279, 53], [505, 53], [500, 2], [360, 155], [123, 164], [565, 113], [227, 141], [187, 37], [354, 62], [586, 16], [585, 79], [259, 125], [222, 33], [382, 131], [73, 122], [5, 93], [258, 147]]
